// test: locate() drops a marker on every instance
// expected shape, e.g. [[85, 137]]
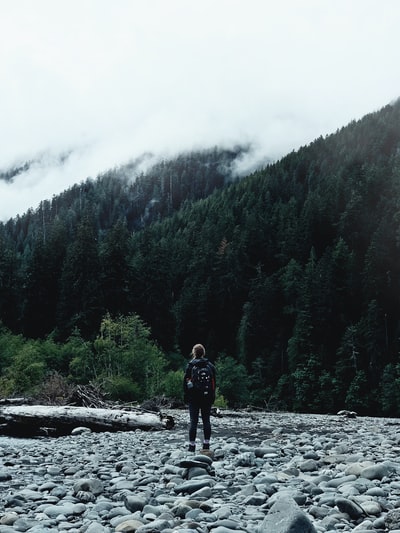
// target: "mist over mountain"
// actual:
[[53, 171], [100, 83]]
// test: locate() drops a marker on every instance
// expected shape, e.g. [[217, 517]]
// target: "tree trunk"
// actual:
[[33, 420]]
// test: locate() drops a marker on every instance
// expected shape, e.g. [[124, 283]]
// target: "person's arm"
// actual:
[[186, 377], [214, 373]]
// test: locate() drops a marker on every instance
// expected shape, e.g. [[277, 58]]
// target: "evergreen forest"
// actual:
[[289, 276]]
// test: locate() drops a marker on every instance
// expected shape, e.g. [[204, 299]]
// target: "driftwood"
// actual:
[[89, 395], [33, 420]]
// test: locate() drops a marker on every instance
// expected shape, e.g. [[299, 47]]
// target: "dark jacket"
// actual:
[[191, 394]]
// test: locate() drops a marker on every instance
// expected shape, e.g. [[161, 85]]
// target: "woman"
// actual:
[[199, 394]]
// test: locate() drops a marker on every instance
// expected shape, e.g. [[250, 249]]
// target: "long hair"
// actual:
[[198, 351]]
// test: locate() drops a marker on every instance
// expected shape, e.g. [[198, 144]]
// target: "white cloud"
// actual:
[[113, 79]]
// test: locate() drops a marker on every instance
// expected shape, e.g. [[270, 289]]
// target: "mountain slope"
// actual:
[[293, 271]]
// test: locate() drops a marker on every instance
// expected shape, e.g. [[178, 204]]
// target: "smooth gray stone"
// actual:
[[146, 481], [229, 524], [223, 512], [118, 512], [349, 507], [184, 530], [371, 508], [310, 465], [348, 490], [331, 521], [124, 485], [23, 524], [378, 471], [196, 472], [66, 509], [374, 531], [312, 455], [5, 475], [80, 430], [340, 480], [292, 471], [318, 511], [376, 492], [285, 516], [245, 459], [261, 451], [203, 493], [379, 523], [156, 525], [291, 494], [255, 499], [154, 509], [194, 514], [122, 519], [130, 524], [362, 484], [203, 459], [95, 527], [95, 486], [223, 529], [266, 478], [192, 486], [173, 469], [54, 470], [181, 510], [134, 503], [188, 463], [28, 494], [58, 492]]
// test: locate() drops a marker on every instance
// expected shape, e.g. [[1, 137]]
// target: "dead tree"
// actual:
[[33, 420]]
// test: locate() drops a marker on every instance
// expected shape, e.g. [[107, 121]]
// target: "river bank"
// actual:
[[337, 473]]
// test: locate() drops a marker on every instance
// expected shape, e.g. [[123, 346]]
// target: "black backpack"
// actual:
[[202, 378]]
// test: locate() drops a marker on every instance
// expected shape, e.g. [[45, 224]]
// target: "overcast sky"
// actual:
[[105, 80]]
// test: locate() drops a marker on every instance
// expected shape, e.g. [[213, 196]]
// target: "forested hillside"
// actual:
[[38, 249], [290, 276]]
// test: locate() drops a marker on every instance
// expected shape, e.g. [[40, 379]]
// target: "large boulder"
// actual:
[[285, 516]]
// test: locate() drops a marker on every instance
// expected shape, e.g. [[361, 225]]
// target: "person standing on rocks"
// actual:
[[199, 393]]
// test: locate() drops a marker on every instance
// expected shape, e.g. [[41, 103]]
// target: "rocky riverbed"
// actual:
[[267, 472]]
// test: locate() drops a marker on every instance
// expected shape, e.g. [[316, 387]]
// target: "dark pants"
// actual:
[[194, 410]]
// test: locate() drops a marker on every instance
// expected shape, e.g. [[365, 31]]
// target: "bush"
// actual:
[[220, 401], [357, 397], [7, 387], [390, 390], [121, 388], [173, 384], [232, 381], [28, 368]]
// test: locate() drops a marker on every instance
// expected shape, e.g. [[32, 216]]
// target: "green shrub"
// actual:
[[220, 401], [121, 388], [7, 386], [27, 369], [232, 380], [357, 397], [173, 384]]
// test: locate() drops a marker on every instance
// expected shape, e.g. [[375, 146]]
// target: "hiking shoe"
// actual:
[[206, 446], [192, 448]]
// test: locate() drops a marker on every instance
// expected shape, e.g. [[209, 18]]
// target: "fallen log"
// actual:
[[15, 401], [34, 420]]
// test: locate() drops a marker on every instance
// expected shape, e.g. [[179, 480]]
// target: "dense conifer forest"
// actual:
[[290, 276]]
